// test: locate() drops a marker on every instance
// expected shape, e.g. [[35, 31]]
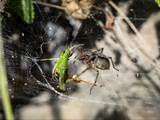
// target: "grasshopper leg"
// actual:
[[75, 59]]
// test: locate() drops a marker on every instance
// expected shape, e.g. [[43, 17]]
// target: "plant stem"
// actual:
[[3, 83]]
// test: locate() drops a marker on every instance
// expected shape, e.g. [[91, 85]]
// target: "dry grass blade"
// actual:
[[153, 62]]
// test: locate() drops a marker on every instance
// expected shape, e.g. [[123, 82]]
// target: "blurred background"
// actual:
[[127, 30]]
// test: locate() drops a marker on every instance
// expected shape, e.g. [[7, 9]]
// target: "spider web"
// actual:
[[134, 87]]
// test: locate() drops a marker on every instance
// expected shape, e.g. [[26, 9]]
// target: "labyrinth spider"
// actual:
[[95, 60]]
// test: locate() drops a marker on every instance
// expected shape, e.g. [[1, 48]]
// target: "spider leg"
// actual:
[[99, 51], [83, 71], [113, 63], [76, 77], [75, 59], [95, 81]]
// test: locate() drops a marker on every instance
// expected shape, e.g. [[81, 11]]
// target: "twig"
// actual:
[[49, 5], [152, 61]]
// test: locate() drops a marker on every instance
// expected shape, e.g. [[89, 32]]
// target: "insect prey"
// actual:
[[60, 70]]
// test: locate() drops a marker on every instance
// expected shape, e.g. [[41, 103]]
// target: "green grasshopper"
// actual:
[[60, 70]]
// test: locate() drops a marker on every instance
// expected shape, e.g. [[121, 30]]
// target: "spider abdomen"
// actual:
[[102, 63]]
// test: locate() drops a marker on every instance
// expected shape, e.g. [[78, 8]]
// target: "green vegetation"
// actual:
[[4, 84], [158, 2], [23, 8]]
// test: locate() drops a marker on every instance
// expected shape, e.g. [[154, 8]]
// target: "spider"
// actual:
[[95, 60]]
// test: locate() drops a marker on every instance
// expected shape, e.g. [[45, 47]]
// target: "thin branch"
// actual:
[[154, 62], [49, 5]]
